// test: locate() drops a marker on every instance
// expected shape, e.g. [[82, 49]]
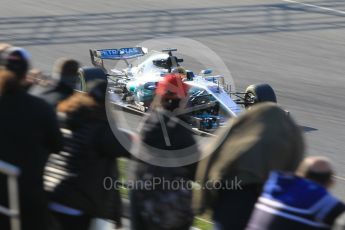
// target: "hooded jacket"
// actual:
[[262, 139]]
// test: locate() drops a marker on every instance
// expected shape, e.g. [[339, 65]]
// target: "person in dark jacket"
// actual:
[[262, 139], [161, 207], [299, 202], [65, 75], [28, 133], [74, 177]]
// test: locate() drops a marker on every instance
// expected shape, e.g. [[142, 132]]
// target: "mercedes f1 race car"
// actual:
[[210, 104]]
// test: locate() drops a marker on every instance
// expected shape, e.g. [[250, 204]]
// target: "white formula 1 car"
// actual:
[[210, 103]]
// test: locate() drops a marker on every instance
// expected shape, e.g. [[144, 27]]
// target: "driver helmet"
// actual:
[[180, 71]]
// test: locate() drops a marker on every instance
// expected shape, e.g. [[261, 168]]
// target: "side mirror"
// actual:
[[206, 71]]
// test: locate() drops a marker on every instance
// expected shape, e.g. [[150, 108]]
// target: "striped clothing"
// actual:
[[290, 202]]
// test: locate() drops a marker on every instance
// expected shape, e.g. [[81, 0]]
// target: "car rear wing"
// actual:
[[97, 56]]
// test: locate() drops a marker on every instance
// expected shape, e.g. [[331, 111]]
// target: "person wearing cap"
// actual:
[[298, 201], [164, 135], [170, 93], [74, 177], [258, 141], [16, 60], [65, 75], [29, 132]]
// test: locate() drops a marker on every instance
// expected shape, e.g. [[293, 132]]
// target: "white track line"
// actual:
[[204, 220], [315, 6], [339, 178]]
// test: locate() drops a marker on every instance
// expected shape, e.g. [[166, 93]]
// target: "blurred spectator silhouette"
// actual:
[[74, 177], [262, 139], [29, 132], [298, 202], [65, 74], [160, 207]]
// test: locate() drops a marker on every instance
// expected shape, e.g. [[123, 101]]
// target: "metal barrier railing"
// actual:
[[13, 212]]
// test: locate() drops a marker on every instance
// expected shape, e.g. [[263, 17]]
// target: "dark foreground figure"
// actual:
[[262, 139], [28, 133], [161, 207], [74, 177]]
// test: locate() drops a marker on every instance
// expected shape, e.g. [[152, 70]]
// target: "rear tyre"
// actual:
[[259, 93], [87, 74]]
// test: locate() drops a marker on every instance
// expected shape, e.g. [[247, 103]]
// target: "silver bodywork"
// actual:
[[143, 70]]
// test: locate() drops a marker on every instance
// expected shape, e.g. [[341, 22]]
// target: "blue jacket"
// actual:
[[291, 202]]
